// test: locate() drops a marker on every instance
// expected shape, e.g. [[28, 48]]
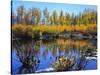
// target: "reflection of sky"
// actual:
[[70, 8], [92, 64], [45, 62], [15, 62]]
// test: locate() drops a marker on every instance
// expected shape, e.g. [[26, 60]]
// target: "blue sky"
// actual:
[[70, 8]]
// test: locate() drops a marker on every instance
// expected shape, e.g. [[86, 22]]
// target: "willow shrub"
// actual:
[[38, 30], [62, 64]]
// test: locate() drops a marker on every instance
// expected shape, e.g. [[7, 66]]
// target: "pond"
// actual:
[[37, 56]]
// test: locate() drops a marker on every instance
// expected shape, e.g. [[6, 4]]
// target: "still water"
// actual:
[[42, 55]]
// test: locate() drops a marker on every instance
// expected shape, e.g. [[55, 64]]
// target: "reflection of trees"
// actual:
[[28, 55], [65, 46], [77, 50]]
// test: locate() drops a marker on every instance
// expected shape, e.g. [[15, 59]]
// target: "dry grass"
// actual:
[[54, 29]]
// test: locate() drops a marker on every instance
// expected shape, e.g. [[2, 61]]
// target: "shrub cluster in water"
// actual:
[[63, 64]]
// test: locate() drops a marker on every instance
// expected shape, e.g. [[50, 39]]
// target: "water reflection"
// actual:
[[69, 48], [28, 54], [37, 55]]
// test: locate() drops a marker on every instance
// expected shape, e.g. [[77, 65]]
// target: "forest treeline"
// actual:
[[35, 16]]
